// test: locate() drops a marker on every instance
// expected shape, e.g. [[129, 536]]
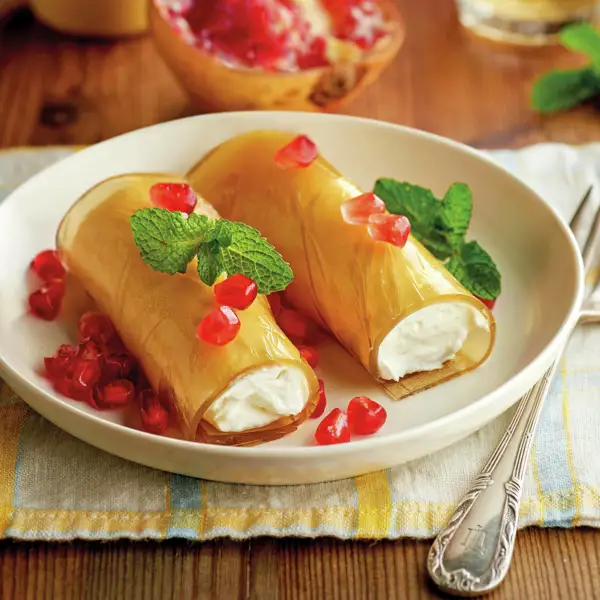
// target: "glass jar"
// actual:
[[523, 21]]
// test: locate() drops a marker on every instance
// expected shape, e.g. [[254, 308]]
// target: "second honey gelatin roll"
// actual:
[[251, 390], [397, 310]]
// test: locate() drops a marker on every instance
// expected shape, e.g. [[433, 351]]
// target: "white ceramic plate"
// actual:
[[542, 288]]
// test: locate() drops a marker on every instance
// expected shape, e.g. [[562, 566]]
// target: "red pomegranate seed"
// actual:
[[237, 291], [321, 403], [96, 327], [219, 327], [393, 229], [118, 366], [357, 211], [45, 303], [298, 154], [63, 386], [333, 429], [310, 355], [86, 374], [47, 265], [295, 325], [61, 363], [154, 415], [89, 350], [365, 416], [489, 303], [115, 393], [274, 299], [174, 197]]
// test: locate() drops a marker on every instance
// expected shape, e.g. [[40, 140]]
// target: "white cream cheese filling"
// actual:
[[259, 398], [425, 340]]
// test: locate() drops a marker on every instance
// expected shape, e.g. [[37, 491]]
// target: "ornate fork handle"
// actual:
[[472, 554]]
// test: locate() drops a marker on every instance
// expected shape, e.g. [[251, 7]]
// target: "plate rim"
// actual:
[[282, 452]]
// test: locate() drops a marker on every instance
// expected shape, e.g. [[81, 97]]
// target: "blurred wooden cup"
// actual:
[[88, 18]]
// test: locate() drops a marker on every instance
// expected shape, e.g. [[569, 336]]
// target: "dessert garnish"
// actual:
[[45, 302], [362, 417], [357, 211], [333, 429], [219, 327], [48, 266], [301, 152], [441, 226], [168, 241], [174, 197], [393, 229], [237, 291], [365, 416], [155, 418]]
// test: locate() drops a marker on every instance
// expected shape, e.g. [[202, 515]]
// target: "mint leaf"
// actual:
[[457, 207], [560, 90], [582, 37], [210, 265], [430, 222], [252, 256], [219, 231], [475, 269], [167, 240], [416, 203]]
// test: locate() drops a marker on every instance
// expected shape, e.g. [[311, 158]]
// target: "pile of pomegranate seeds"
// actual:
[[273, 35], [237, 291], [358, 21], [98, 370], [357, 211], [176, 197], [45, 302], [363, 417], [300, 153]]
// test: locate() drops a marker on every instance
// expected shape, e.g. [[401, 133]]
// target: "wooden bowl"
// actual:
[[213, 86]]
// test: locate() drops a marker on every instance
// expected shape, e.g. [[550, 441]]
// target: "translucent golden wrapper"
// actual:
[[157, 314], [357, 288]]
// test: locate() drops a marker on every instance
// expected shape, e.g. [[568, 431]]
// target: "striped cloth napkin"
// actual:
[[54, 487]]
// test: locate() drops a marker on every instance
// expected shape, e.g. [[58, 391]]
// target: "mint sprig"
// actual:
[[563, 89], [441, 226], [169, 241]]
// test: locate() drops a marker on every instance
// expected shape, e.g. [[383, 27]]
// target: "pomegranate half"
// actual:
[[272, 76]]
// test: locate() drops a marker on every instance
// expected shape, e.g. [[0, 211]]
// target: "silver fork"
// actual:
[[472, 554]]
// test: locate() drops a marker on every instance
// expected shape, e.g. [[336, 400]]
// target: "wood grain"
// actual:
[[59, 90], [548, 564]]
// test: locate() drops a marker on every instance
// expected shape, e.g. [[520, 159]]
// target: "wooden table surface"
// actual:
[[57, 90]]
